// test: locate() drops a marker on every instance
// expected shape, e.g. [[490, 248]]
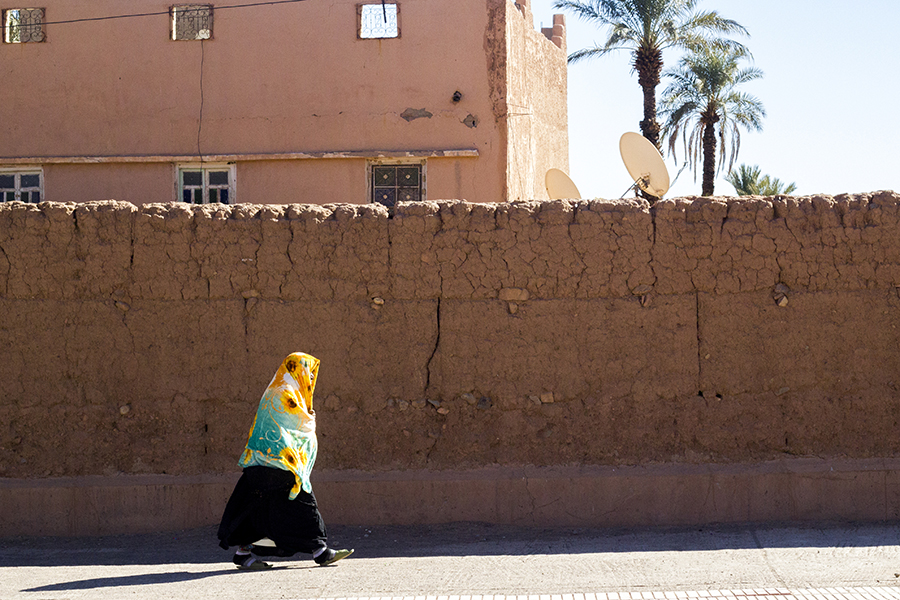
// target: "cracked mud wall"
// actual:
[[452, 335]]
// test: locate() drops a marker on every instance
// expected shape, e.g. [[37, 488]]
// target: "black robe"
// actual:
[[259, 507]]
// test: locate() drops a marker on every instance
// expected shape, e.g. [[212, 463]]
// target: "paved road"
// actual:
[[466, 559]]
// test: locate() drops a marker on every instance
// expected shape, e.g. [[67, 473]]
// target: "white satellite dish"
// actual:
[[644, 163], [560, 186]]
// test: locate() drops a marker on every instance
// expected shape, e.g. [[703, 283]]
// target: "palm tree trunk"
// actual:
[[648, 64], [709, 153]]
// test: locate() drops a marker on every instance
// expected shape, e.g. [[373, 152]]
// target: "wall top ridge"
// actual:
[[841, 204], [561, 249], [881, 205]]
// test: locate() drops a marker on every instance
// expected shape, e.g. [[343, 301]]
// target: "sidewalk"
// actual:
[[468, 560]]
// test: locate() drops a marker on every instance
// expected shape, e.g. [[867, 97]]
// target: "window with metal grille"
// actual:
[[396, 183], [23, 25], [378, 21], [206, 185], [192, 22], [22, 186]]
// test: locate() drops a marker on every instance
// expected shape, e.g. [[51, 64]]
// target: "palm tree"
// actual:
[[704, 107], [749, 181], [646, 28]]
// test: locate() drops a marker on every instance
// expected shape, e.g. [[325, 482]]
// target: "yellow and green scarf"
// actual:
[[283, 434]]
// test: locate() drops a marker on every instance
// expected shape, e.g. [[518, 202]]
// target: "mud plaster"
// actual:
[[138, 340]]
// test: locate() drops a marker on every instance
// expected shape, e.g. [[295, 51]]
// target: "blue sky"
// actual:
[[831, 88]]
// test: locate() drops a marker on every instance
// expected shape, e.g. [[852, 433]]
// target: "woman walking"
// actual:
[[272, 511]]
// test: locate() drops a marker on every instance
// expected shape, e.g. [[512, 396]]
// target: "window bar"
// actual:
[[23, 25]]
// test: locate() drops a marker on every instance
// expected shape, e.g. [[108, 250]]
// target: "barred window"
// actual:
[[394, 183], [378, 21], [21, 186], [206, 185], [192, 22], [23, 25]]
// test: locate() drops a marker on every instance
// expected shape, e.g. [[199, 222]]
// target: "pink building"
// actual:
[[297, 101]]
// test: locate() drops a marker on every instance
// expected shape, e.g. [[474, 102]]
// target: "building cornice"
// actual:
[[246, 157]]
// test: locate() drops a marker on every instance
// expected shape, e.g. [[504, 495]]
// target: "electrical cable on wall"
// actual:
[[200, 120]]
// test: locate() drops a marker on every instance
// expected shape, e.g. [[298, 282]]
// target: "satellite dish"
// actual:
[[560, 186], [644, 163]]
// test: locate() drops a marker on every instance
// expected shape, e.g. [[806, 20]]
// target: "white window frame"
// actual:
[[393, 9], [200, 34], [370, 168], [18, 172], [205, 169]]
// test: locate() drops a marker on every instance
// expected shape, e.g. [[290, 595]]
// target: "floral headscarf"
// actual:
[[283, 434]]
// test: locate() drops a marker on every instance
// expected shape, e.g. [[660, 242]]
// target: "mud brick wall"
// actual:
[[452, 335]]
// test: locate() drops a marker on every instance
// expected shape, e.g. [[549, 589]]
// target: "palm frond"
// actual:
[[702, 94], [620, 37], [585, 53], [710, 21], [745, 75], [587, 11], [749, 181]]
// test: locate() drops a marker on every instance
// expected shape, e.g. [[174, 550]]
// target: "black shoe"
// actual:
[[246, 562]]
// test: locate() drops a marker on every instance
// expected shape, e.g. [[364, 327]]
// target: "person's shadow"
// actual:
[[142, 579]]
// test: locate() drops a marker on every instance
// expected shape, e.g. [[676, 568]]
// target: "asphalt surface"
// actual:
[[460, 559]]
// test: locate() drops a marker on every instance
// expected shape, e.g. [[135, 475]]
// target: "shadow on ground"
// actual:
[[199, 546], [130, 580]]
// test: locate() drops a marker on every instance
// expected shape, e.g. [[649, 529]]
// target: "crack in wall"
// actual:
[[390, 246], [289, 254], [699, 340], [437, 343], [131, 242], [530, 498], [5, 257], [434, 444], [723, 222], [573, 243]]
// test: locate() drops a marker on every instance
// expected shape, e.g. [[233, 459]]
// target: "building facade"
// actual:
[[297, 101]]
